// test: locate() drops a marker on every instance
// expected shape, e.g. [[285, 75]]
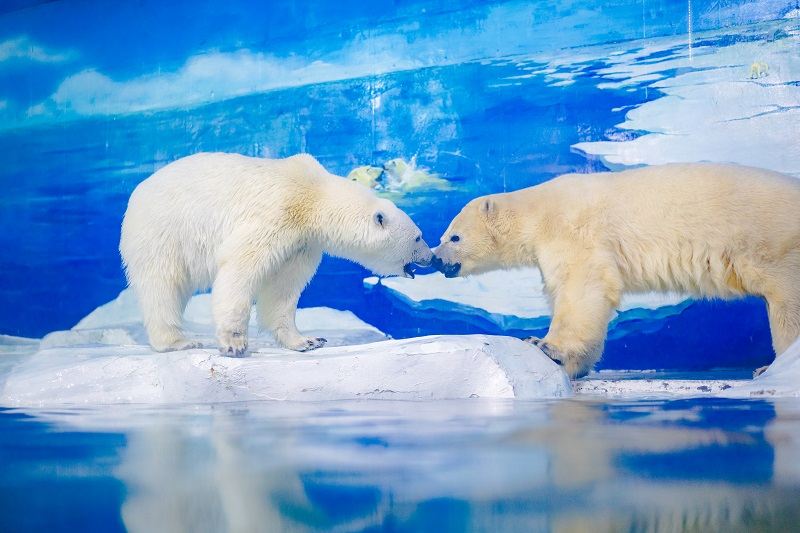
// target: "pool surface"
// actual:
[[469, 465]]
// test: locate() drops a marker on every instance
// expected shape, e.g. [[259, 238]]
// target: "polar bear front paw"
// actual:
[[232, 344], [548, 350], [308, 344]]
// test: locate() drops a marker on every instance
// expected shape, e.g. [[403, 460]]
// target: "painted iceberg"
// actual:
[[495, 296]]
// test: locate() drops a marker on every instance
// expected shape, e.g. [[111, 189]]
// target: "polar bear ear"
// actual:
[[379, 218], [488, 207]]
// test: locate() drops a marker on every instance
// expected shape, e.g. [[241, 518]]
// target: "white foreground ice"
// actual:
[[105, 360], [509, 298], [781, 379]]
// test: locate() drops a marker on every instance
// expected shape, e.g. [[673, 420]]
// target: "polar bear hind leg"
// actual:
[[162, 299], [783, 304]]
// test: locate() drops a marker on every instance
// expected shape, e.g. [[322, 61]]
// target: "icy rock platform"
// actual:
[[105, 360], [437, 367]]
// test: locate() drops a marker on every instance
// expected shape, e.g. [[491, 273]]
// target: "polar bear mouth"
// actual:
[[408, 270]]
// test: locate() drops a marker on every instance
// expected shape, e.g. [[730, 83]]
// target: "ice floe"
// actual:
[[105, 360], [726, 101], [496, 295]]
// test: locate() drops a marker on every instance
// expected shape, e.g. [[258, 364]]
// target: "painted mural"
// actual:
[[429, 102]]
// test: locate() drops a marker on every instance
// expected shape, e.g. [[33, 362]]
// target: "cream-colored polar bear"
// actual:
[[252, 229], [712, 230]]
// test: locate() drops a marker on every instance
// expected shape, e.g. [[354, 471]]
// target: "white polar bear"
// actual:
[[713, 230], [252, 229]]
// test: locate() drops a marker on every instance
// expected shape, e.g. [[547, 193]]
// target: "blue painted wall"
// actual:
[[491, 96]]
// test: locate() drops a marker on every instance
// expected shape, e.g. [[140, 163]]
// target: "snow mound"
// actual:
[[436, 367], [496, 295], [781, 379]]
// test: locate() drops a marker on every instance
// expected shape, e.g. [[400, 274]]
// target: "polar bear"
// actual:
[[252, 229], [711, 230]]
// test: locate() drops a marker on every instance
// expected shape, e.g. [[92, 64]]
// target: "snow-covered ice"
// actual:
[[642, 385], [733, 102], [497, 296], [105, 360], [436, 367], [781, 379]]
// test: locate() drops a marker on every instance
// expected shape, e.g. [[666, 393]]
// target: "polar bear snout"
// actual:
[[422, 255], [450, 270]]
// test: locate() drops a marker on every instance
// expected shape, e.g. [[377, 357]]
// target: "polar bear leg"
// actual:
[[585, 295], [277, 300], [163, 298], [231, 300], [784, 320]]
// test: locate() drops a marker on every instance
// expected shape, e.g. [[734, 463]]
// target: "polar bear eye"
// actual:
[[417, 239], [379, 218], [455, 238]]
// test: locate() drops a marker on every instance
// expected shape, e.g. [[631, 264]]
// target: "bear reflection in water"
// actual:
[[706, 465]]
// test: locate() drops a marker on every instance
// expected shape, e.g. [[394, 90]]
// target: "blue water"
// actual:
[[683, 465]]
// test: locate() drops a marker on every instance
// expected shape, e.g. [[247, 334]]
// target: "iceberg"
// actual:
[[105, 360]]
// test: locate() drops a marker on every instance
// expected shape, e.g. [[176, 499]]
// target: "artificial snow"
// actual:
[[638, 385], [781, 379], [105, 360]]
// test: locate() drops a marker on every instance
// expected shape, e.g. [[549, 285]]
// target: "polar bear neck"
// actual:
[[339, 214]]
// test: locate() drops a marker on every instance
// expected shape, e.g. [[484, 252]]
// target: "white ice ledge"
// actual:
[[105, 360], [426, 368]]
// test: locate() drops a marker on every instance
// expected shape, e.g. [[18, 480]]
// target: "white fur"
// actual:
[[713, 230], [251, 229]]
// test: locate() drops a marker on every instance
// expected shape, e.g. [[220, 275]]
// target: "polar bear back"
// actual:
[[675, 226], [189, 207]]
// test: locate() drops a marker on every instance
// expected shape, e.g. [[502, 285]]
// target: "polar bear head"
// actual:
[[376, 234], [476, 240]]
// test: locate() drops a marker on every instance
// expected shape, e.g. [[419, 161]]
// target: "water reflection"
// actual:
[[688, 465]]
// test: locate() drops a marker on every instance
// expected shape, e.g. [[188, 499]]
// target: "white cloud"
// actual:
[[23, 47], [216, 76], [209, 77]]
